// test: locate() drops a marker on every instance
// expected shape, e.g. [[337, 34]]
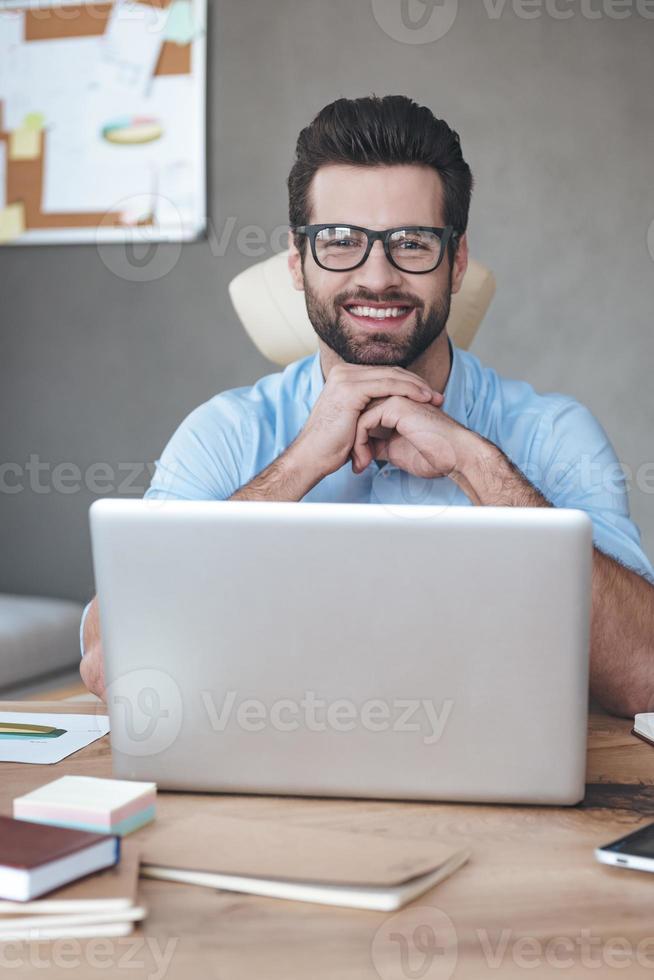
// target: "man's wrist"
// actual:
[[287, 478], [301, 467], [489, 478]]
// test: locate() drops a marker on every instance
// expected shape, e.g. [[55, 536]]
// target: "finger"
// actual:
[[373, 372], [367, 421], [384, 414], [363, 392]]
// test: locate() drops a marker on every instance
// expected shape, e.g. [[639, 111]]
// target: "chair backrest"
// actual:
[[274, 313]]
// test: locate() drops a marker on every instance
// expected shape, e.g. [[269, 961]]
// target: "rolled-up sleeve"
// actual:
[[579, 468], [81, 628], [206, 457]]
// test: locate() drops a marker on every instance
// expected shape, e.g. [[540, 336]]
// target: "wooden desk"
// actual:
[[532, 878]]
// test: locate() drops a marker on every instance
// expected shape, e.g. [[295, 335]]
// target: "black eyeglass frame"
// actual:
[[449, 238]]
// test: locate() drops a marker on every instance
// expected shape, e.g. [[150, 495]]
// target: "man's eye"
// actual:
[[342, 243], [410, 246]]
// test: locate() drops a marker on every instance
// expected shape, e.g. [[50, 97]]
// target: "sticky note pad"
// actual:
[[103, 806], [12, 221], [24, 143]]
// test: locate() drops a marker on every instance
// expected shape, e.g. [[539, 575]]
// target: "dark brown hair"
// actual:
[[376, 131]]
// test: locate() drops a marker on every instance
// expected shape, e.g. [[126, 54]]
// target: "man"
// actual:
[[388, 410]]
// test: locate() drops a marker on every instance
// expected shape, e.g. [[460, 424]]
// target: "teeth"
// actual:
[[377, 314]]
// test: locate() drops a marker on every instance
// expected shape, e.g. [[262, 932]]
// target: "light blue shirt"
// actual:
[[556, 442], [553, 439]]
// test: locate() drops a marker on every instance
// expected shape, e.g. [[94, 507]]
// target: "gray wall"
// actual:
[[557, 120]]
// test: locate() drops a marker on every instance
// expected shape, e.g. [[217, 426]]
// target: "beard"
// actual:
[[378, 347]]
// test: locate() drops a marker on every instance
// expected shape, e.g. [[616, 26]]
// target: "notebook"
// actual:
[[101, 904], [278, 860], [36, 858]]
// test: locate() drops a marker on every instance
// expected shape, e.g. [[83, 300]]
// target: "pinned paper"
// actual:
[[24, 143], [180, 28], [131, 46], [12, 222]]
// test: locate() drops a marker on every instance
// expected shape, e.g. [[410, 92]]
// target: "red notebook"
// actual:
[[36, 858]]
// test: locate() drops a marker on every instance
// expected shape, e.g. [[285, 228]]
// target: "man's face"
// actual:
[[376, 198]]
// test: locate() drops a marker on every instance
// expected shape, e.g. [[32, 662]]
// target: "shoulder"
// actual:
[[253, 404], [519, 418], [220, 444]]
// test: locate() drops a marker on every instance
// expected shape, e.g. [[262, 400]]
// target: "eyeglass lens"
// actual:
[[343, 248]]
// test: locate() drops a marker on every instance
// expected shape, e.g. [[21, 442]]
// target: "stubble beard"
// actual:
[[377, 347]]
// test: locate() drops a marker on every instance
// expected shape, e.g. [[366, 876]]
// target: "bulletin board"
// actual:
[[102, 121]]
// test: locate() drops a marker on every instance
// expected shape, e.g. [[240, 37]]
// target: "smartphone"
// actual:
[[636, 850]]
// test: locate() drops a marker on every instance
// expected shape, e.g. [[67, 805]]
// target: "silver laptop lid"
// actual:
[[347, 649]]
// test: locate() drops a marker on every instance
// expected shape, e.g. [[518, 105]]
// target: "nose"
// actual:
[[377, 274]]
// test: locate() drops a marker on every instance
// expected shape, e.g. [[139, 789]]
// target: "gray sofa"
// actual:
[[38, 637]]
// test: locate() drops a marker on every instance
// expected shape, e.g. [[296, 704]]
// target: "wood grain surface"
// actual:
[[532, 902]]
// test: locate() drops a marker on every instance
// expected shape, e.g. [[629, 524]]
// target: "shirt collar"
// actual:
[[455, 389], [316, 380]]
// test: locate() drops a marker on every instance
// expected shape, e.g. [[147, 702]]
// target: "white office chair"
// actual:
[[274, 313]]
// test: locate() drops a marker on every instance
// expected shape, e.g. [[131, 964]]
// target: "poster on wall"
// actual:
[[102, 121]]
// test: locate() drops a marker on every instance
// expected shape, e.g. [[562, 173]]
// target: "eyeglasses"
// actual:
[[414, 248]]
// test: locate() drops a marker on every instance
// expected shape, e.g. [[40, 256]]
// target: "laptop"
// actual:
[[351, 650]]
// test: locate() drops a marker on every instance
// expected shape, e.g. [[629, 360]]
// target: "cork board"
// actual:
[[102, 121]]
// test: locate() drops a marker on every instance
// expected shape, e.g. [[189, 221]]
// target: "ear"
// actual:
[[295, 263], [460, 263]]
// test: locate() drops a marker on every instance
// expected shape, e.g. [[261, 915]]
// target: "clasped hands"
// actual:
[[367, 412], [417, 437]]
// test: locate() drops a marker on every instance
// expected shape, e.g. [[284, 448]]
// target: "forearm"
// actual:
[[489, 478], [622, 638], [288, 478]]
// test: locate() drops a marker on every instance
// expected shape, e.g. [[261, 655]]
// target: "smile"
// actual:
[[378, 313]]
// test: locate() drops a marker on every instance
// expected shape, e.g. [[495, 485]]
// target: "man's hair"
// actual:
[[376, 131]]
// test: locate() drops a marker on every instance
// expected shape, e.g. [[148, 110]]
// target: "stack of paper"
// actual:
[[104, 806], [102, 904], [306, 864]]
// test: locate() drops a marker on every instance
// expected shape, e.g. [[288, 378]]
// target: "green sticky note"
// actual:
[[34, 120], [179, 23]]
